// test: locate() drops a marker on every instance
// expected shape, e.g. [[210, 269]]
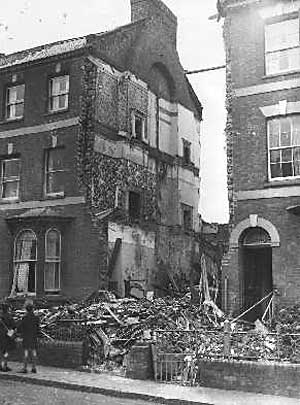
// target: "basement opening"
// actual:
[[257, 280]]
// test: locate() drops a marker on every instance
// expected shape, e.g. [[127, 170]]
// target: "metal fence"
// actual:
[[177, 353]]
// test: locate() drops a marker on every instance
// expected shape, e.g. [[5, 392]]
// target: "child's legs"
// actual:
[[26, 358], [33, 357]]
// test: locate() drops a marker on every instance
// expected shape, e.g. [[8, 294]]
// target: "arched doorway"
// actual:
[[256, 260]]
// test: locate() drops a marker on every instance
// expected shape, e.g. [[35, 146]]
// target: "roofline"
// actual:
[[74, 53]]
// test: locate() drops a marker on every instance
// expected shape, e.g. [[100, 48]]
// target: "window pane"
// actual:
[[26, 246], [22, 273], [284, 34], [55, 160], [281, 61], [10, 189], [11, 168], [19, 110], [296, 130], [275, 156], [12, 95], [287, 169], [275, 170], [63, 101], [273, 127], [55, 182], [20, 92], [53, 244], [287, 155], [285, 132], [51, 276]]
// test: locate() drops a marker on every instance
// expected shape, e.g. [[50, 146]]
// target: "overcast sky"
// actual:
[[27, 23]]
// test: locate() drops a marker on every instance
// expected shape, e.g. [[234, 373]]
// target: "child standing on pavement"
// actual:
[[7, 326], [29, 329]]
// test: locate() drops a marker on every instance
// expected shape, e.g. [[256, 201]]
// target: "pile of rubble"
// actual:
[[110, 327]]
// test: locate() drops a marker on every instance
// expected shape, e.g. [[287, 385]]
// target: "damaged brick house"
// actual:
[[263, 148], [100, 155]]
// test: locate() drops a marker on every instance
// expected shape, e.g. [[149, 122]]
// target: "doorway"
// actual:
[[257, 272]]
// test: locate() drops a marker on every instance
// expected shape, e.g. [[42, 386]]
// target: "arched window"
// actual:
[[52, 260], [25, 256]]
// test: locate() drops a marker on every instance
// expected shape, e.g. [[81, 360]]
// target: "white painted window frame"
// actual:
[[12, 179], [47, 172], [26, 261], [283, 178], [281, 48], [12, 103], [49, 259], [53, 94]]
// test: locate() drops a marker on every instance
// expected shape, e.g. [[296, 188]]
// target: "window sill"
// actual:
[[282, 183], [9, 120], [9, 200], [54, 196], [50, 113], [279, 74]]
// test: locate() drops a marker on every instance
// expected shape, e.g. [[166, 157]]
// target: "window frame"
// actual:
[[11, 179], [138, 114], [47, 259], [26, 261], [8, 104], [279, 148], [52, 96], [47, 172], [278, 20]]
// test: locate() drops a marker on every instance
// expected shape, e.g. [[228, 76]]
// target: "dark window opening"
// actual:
[[187, 217], [138, 126], [186, 152], [134, 204]]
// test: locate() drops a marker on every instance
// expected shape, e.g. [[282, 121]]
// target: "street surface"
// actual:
[[18, 393]]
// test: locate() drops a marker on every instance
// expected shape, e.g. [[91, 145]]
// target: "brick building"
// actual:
[[263, 150], [100, 155]]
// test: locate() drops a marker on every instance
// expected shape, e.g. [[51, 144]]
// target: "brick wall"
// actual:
[[272, 379], [57, 354]]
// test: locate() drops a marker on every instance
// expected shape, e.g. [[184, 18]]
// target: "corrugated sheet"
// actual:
[[42, 52]]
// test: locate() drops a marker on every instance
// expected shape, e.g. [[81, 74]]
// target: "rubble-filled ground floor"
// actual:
[[263, 257], [59, 250]]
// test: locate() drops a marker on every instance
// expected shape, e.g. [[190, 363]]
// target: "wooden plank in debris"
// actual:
[[113, 315]]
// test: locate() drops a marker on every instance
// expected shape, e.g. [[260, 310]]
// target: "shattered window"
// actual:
[[282, 46], [284, 147], [59, 93], [52, 260], [10, 178], [25, 256], [15, 102], [54, 172]]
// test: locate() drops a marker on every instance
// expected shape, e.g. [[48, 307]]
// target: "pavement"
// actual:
[[121, 387]]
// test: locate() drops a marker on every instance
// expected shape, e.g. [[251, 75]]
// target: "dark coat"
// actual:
[[29, 329], [6, 323]]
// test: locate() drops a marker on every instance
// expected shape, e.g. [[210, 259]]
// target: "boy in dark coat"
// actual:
[[29, 329], [7, 326]]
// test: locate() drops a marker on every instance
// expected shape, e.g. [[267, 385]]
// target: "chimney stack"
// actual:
[[157, 10]]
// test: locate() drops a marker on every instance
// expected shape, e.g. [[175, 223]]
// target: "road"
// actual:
[[18, 393]]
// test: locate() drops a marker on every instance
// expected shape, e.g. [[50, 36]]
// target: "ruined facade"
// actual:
[[263, 65], [100, 158]]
